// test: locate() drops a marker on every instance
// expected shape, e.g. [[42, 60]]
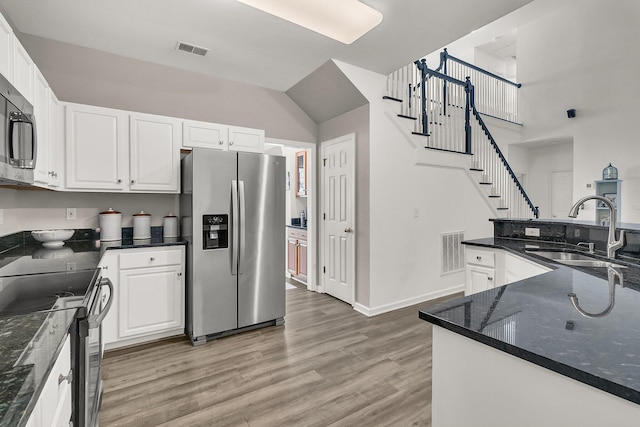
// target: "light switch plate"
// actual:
[[533, 232]]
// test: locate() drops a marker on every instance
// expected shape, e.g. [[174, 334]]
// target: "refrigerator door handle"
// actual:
[[242, 227], [235, 226]]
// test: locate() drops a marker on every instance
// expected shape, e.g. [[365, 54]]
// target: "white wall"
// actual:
[[538, 163], [41, 209], [585, 56], [404, 249]]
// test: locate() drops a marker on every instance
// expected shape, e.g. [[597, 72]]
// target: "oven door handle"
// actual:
[[94, 321]]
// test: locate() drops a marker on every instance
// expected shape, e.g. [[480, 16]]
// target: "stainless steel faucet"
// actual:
[[612, 244]]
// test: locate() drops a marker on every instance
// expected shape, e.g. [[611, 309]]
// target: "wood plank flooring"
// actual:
[[327, 366]]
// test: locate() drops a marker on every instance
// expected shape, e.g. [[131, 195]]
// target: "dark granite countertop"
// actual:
[[545, 328], [23, 371]]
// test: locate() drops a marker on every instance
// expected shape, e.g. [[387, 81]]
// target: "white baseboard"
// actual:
[[370, 312]]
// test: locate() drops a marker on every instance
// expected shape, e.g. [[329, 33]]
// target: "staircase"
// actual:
[[443, 110]]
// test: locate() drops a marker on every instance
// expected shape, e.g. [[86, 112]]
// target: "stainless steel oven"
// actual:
[[88, 385]]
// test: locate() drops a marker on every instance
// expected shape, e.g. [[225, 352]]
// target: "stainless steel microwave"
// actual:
[[18, 130]]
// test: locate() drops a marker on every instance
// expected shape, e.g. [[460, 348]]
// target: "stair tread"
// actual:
[[486, 183], [503, 209], [391, 98], [407, 117], [421, 134], [476, 169], [494, 196]]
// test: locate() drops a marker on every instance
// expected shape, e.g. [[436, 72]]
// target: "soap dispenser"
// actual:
[[303, 219]]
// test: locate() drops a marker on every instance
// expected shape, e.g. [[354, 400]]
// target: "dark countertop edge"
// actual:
[[560, 368], [147, 245]]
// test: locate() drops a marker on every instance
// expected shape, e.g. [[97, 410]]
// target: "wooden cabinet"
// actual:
[[222, 137], [54, 404], [487, 268], [114, 150], [154, 145], [148, 300], [6, 49], [301, 174], [297, 254], [612, 190]]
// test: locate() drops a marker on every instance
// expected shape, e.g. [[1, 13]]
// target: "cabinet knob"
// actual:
[[479, 258], [119, 181], [220, 142], [230, 142], [179, 274], [490, 278], [106, 267], [152, 259], [133, 181], [68, 378]]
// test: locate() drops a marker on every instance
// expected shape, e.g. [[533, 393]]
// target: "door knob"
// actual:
[[348, 230]]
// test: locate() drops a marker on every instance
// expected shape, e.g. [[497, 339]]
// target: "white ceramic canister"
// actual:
[[170, 226], [142, 225], [110, 225]]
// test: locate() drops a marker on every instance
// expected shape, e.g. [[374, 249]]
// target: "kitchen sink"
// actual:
[[575, 259]]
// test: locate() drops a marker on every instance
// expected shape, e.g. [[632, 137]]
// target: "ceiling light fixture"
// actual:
[[342, 20]]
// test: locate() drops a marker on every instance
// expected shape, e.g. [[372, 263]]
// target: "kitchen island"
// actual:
[[524, 355]]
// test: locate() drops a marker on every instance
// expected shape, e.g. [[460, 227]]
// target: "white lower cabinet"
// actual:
[[148, 301], [487, 268], [53, 407]]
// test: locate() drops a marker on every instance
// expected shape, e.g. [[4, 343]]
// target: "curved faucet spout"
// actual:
[[612, 244], [612, 273]]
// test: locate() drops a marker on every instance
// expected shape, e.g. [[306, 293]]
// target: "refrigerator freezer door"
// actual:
[[261, 266], [212, 287]]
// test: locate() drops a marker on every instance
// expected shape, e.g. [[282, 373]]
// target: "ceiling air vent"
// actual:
[[186, 47]]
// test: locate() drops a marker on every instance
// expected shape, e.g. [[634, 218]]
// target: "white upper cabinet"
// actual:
[[23, 71], [205, 135], [245, 139], [41, 112], [6, 50], [154, 153], [222, 137], [114, 150], [56, 141], [96, 148]]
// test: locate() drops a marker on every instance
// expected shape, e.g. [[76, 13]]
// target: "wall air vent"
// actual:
[[186, 47], [452, 252]]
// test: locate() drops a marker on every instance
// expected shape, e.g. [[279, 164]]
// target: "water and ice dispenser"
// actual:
[[215, 231]]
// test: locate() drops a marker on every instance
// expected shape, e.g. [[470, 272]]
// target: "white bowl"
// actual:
[[52, 238]]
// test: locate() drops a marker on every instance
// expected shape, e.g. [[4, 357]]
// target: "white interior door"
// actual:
[[561, 193], [338, 207]]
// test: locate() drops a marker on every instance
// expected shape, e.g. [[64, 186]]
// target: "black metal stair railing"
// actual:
[[444, 109]]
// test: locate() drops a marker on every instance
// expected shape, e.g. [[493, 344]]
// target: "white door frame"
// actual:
[[551, 172], [321, 205], [312, 220]]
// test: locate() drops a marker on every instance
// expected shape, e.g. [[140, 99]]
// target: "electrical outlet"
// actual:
[[71, 214], [71, 266], [533, 232]]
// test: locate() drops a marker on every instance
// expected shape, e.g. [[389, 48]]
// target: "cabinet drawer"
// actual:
[[481, 257], [150, 259], [295, 233]]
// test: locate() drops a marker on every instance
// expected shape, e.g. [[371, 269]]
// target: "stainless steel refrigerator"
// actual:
[[233, 216]]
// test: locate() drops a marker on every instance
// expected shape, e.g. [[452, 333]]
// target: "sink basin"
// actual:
[[575, 259]]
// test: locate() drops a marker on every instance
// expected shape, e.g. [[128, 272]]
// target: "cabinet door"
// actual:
[[150, 300], [41, 110], [246, 139], [23, 69], [154, 153], [302, 259], [55, 398], [292, 256], [97, 148], [517, 268], [205, 135], [6, 50], [479, 279], [56, 141]]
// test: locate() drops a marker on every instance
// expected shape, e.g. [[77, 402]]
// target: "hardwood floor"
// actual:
[[327, 366]]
